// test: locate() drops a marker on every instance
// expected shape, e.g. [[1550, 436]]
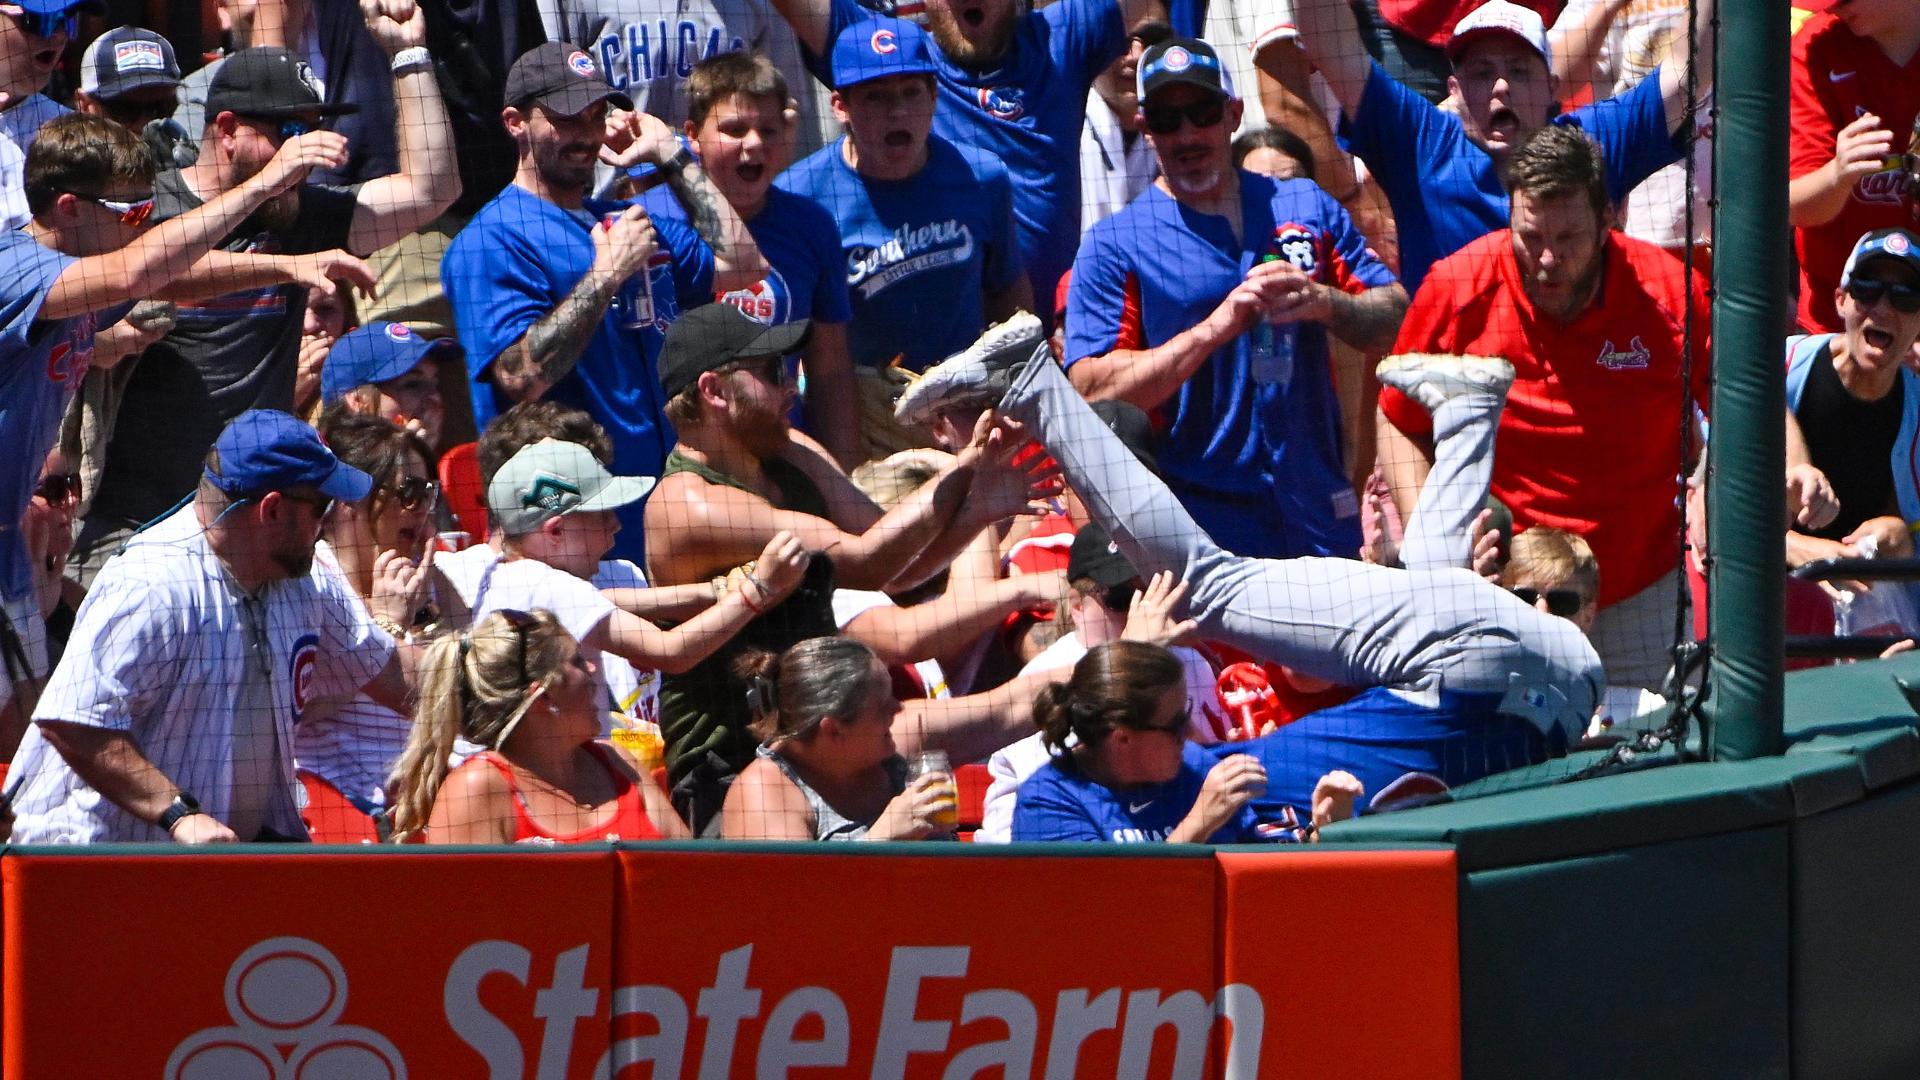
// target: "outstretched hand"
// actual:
[[1004, 481], [1150, 614]]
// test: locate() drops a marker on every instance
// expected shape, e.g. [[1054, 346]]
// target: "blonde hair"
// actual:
[[892, 479], [478, 684], [1554, 557]]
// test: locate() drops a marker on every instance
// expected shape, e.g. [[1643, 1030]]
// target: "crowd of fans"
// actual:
[[1203, 420]]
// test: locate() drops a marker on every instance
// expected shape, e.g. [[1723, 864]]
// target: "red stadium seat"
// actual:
[[460, 486], [972, 781], [330, 818]]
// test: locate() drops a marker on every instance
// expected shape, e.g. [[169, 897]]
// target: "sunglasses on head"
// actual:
[[59, 488], [1565, 603], [413, 492], [1166, 119], [132, 214], [47, 24], [1868, 291]]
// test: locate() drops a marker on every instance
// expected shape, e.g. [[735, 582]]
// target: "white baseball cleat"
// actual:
[[981, 372], [1433, 378]]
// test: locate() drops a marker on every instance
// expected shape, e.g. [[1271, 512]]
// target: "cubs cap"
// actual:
[[266, 450], [1497, 17], [551, 479], [876, 48], [127, 58], [1181, 60], [1897, 245], [559, 77], [714, 335], [1095, 557], [268, 81], [375, 353]]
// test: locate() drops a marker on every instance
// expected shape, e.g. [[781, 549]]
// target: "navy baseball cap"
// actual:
[[267, 450], [127, 58], [375, 353], [1889, 245], [876, 48]]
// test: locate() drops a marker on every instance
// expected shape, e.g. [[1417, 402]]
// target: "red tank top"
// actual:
[[630, 820]]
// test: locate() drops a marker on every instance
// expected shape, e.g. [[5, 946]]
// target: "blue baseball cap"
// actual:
[[876, 48], [1888, 245], [375, 353], [267, 450]]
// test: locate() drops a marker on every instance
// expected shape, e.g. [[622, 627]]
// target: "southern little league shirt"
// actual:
[[1061, 803], [41, 365], [1589, 439], [918, 253], [1445, 190], [1836, 77], [1260, 462], [516, 261], [1027, 113]]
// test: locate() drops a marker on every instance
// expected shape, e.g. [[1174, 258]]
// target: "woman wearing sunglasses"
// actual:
[[380, 546], [519, 685]]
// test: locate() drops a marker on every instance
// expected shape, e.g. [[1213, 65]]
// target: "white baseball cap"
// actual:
[[1500, 17]]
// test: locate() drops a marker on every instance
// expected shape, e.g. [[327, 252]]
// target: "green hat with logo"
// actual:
[[551, 479]]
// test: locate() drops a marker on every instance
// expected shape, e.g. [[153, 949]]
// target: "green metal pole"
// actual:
[[1745, 493]]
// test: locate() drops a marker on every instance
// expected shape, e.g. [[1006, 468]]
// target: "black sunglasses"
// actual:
[[1165, 119], [771, 370], [128, 112], [1904, 298], [413, 492], [59, 488], [322, 504], [287, 129], [1565, 603], [1176, 726]]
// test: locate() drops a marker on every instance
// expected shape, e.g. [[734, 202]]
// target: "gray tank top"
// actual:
[[828, 823]]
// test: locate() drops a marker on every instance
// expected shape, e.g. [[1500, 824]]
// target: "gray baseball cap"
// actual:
[[551, 479]]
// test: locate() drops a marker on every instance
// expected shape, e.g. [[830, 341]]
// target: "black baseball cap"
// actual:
[[561, 79], [268, 81], [715, 335], [1132, 425], [1095, 557]]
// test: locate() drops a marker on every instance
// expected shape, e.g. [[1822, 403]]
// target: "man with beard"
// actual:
[[564, 297], [1012, 81], [1441, 168], [1590, 440], [1208, 300], [240, 351], [738, 477], [171, 714]]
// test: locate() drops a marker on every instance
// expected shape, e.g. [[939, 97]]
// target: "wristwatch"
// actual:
[[183, 805], [682, 157]]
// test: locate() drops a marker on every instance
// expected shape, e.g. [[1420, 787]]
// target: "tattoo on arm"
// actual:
[[702, 202], [550, 347], [1370, 319]]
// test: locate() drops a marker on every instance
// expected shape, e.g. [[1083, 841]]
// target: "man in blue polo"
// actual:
[[1013, 81], [386, 370], [1207, 302], [1441, 167], [926, 226]]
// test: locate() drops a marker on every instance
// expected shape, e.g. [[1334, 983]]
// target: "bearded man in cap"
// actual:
[[240, 351]]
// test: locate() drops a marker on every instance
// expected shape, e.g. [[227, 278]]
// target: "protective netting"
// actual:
[[1105, 421]]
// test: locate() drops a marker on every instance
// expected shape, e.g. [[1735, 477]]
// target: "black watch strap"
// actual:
[[183, 805]]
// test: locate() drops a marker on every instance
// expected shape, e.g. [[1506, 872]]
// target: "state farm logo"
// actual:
[[284, 997]]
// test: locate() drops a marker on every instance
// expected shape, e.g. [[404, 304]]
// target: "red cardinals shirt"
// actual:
[[1838, 76], [1591, 437]]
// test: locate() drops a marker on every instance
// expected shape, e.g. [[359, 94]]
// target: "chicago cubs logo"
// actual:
[[306, 653], [1300, 246], [284, 997], [1002, 102], [399, 332], [1896, 244], [1176, 59], [883, 42], [581, 63], [766, 301], [1635, 357]]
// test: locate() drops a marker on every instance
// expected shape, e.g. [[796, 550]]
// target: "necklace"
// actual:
[[557, 790]]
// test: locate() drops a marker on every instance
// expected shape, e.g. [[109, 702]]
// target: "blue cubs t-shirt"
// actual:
[[41, 365], [511, 267], [801, 244], [1259, 461], [1060, 803], [1026, 112], [919, 253], [1445, 190]]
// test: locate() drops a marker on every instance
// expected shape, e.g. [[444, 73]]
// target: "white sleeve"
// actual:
[[124, 653], [1009, 766], [352, 649]]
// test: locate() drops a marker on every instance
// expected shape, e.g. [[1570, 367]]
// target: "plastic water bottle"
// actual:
[[1270, 351]]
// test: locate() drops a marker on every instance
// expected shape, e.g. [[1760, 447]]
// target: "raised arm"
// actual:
[[144, 267], [1576, 39], [812, 22], [906, 635], [1331, 39], [425, 184], [635, 137], [1673, 70], [776, 573]]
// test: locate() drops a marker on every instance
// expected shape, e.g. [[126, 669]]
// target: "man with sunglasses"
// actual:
[[1209, 300], [240, 350], [171, 714], [388, 371], [1855, 397]]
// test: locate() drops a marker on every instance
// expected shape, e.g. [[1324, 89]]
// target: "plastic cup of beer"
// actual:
[[935, 762]]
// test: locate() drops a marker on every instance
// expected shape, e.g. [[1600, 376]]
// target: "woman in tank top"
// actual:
[[520, 686]]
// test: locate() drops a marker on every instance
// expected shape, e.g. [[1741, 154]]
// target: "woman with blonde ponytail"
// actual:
[[519, 685]]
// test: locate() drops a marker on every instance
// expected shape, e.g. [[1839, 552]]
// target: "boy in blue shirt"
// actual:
[[926, 227]]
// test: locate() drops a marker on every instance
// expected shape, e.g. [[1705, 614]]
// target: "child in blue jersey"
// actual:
[[926, 227]]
